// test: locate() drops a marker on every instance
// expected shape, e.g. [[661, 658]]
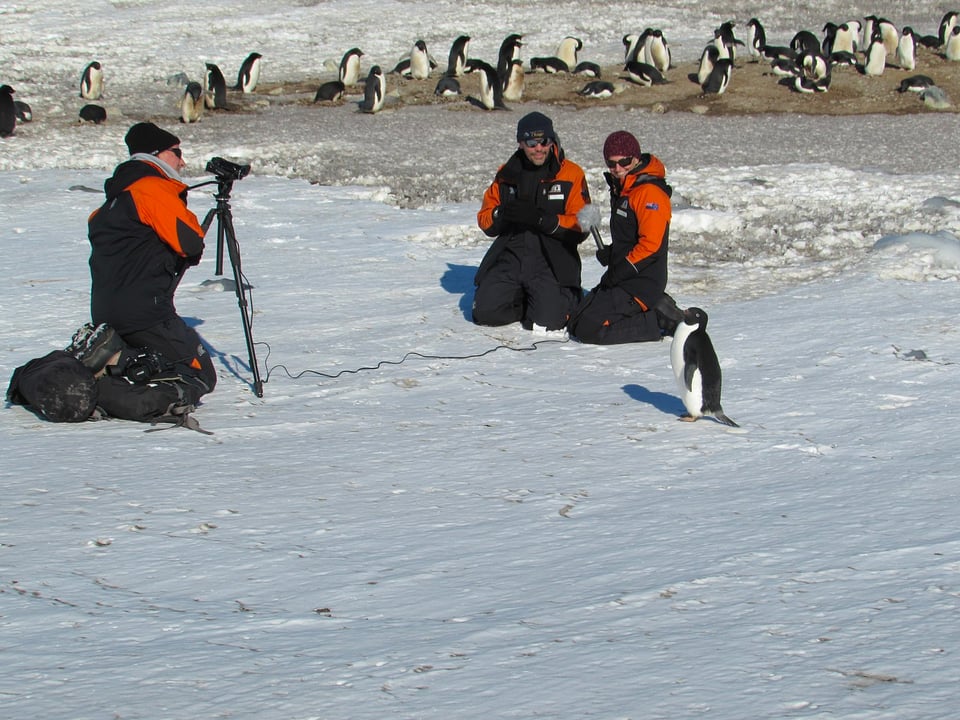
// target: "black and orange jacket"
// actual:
[[640, 231], [563, 192], [142, 239]]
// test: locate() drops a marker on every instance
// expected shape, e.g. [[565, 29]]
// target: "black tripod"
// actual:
[[226, 173]]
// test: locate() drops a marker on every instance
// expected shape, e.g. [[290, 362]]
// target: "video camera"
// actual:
[[227, 171]]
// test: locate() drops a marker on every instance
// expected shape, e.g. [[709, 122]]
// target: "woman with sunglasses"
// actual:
[[531, 272], [142, 239], [630, 303]]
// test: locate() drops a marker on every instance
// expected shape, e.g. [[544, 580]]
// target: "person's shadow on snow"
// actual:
[[667, 404], [458, 279]]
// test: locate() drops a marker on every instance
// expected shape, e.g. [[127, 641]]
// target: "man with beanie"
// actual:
[[630, 303], [531, 272], [143, 239]]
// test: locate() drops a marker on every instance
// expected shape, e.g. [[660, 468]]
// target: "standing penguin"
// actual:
[[350, 67], [875, 57], [756, 39], [374, 91], [509, 51], [567, 50], [947, 23], [491, 86], [907, 50], [719, 77], [249, 74], [952, 49], [191, 104], [91, 81], [457, 59], [216, 96], [697, 368], [420, 63], [657, 50], [708, 58], [632, 47], [8, 111], [513, 87]]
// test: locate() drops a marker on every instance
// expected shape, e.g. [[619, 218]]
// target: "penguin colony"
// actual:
[[870, 46]]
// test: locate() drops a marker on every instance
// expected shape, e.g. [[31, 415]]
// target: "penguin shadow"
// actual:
[[667, 404], [458, 280], [477, 103]]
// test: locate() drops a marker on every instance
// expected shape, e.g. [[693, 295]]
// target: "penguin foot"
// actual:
[[687, 417]]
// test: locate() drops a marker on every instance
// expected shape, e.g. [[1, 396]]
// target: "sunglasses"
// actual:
[[622, 162], [175, 150], [532, 143]]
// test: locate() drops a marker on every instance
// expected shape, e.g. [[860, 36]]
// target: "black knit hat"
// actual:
[[535, 126], [147, 138]]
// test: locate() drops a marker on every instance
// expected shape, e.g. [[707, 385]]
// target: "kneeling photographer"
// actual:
[[151, 365]]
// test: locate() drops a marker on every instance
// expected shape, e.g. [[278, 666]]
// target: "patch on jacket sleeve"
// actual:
[[653, 206]]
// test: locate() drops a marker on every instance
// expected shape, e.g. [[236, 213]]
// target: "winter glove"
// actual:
[[603, 255], [617, 273], [521, 214]]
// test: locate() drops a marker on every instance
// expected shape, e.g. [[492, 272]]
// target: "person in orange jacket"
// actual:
[[630, 303], [143, 238], [531, 272]]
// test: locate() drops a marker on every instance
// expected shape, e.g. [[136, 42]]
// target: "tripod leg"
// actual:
[[226, 231]]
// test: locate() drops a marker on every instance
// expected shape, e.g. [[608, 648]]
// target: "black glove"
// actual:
[[522, 214], [603, 255]]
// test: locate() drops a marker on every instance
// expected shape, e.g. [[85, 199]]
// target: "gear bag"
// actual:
[[57, 387]]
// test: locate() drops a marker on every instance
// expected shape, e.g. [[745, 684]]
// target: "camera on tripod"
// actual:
[[226, 170]]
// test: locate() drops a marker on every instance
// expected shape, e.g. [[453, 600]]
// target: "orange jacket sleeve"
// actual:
[[160, 206]]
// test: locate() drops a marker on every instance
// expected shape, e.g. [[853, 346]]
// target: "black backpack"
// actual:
[[57, 387]]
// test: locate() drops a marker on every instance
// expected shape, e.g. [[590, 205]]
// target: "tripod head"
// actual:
[[226, 173]]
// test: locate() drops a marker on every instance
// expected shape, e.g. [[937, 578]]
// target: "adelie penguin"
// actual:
[[192, 102], [93, 114], [457, 59], [697, 368], [719, 77], [23, 110], [644, 74], [330, 91], [491, 87], [350, 67], [249, 74], [447, 86], [515, 82], [216, 95], [599, 89], [91, 81], [374, 91], [8, 111], [567, 50]]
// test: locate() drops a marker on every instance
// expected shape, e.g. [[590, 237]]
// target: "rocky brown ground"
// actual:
[[753, 89]]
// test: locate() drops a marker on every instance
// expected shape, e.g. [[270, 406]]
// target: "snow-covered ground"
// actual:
[[426, 519]]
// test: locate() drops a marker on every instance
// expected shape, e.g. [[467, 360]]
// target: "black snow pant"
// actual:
[[610, 316], [187, 374], [522, 288]]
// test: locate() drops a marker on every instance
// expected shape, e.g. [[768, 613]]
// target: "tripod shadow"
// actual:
[[458, 279], [232, 364], [667, 404]]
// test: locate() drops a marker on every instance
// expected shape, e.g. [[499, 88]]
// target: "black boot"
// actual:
[[669, 315]]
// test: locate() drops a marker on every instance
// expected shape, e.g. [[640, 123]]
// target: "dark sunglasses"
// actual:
[[622, 162], [176, 151], [532, 143]]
